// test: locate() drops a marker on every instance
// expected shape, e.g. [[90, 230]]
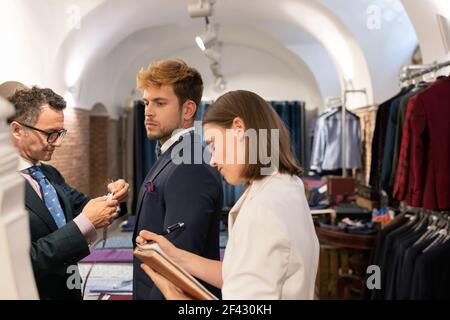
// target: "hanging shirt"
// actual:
[[327, 147]]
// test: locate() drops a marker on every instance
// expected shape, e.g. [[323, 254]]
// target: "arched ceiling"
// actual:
[[116, 20], [136, 52], [330, 37]]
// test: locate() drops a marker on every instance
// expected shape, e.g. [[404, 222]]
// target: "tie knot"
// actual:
[[36, 173], [158, 150]]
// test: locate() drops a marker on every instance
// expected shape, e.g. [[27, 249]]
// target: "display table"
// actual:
[[344, 259], [110, 268]]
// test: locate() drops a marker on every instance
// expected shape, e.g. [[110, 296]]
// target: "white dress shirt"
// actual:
[[174, 138], [272, 251]]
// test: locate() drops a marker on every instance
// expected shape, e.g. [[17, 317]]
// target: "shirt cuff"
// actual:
[[86, 228]]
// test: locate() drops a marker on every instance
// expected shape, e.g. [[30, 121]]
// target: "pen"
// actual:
[[173, 228], [169, 230]]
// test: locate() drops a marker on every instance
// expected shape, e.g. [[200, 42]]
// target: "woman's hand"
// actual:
[[167, 288], [173, 252]]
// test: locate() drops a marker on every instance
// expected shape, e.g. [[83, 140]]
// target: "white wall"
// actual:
[[25, 42], [321, 65], [385, 34], [424, 17]]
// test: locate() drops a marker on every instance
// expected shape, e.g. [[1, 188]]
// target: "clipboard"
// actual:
[[153, 256]]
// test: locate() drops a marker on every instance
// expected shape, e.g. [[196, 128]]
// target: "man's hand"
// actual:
[[120, 190], [100, 212]]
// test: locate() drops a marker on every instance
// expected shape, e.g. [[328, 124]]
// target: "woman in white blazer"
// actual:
[[272, 251]]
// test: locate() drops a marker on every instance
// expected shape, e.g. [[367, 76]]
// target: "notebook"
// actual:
[[153, 256]]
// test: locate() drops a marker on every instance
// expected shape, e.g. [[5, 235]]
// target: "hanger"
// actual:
[[448, 229], [442, 234], [431, 229], [423, 221]]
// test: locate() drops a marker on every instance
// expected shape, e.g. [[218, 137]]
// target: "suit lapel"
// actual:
[[164, 162], [234, 211], [36, 205], [159, 167]]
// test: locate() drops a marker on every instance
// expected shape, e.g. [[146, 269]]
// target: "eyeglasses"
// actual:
[[52, 137]]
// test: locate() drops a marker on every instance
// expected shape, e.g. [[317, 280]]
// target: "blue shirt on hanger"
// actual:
[[327, 146]]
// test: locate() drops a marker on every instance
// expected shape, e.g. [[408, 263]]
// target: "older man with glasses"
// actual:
[[63, 221]]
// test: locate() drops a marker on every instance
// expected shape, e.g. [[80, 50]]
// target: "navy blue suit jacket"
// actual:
[[189, 193], [54, 250]]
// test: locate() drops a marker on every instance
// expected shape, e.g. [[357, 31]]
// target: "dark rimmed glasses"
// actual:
[[52, 137]]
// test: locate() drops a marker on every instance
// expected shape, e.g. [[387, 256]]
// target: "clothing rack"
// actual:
[[416, 210], [424, 69], [343, 122], [332, 102]]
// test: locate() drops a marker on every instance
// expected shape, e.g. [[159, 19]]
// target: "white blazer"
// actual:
[[272, 251]]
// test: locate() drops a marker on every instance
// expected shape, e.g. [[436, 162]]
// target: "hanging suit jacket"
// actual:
[[431, 279], [171, 193], [379, 140], [54, 250], [431, 148]]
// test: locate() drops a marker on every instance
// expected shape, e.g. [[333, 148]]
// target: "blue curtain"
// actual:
[[144, 151], [293, 115], [291, 112]]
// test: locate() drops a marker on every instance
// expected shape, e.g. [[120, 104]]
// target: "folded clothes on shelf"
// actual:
[[361, 227], [357, 226], [318, 199]]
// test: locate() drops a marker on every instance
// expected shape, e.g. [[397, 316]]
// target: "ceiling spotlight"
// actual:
[[212, 54], [200, 8], [206, 40]]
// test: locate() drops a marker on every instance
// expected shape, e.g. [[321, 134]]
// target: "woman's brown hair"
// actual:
[[256, 114]]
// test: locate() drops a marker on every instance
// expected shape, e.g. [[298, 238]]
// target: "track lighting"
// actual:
[[220, 84], [200, 8], [212, 54], [215, 69], [207, 39]]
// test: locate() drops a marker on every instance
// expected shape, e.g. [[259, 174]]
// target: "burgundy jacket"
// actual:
[[430, 149]]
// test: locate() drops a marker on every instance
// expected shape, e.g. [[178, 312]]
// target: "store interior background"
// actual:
[[90, 51]]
